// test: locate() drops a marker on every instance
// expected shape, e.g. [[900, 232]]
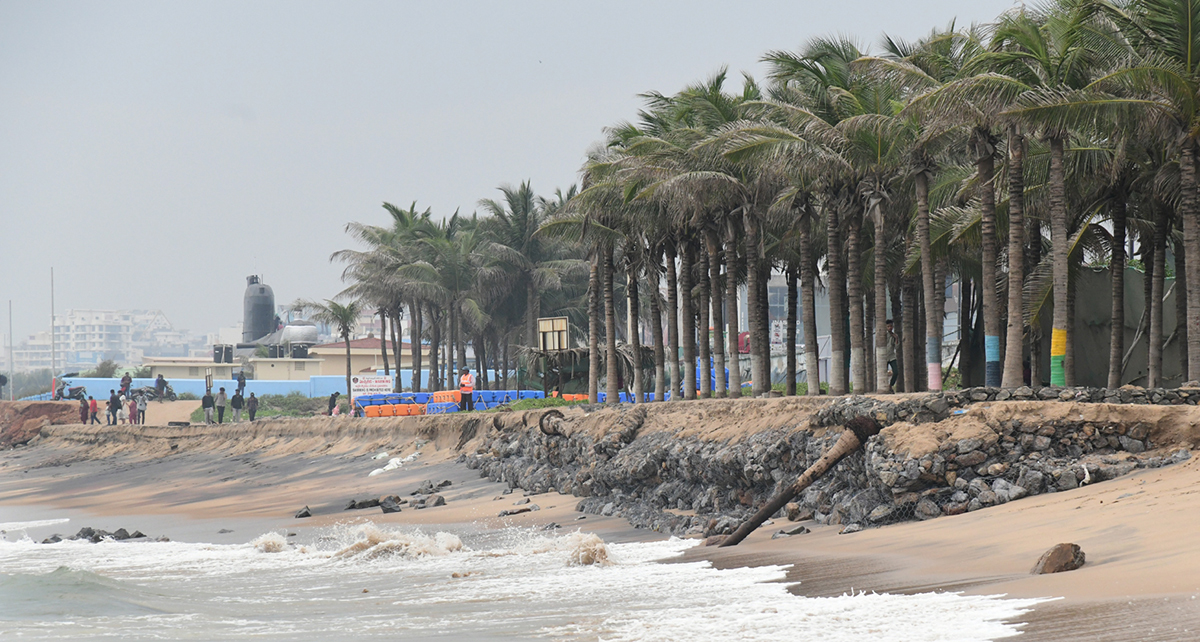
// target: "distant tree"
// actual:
[[106, 369]]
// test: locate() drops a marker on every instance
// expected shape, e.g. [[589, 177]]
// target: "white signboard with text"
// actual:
[[371, 384]]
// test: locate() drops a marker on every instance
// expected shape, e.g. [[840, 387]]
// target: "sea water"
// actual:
[[359, 581]]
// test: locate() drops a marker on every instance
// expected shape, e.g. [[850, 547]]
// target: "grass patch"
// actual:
[[536, 404], [801, 388], [290, 405]]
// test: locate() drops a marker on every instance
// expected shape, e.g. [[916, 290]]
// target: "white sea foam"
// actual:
[[512, 584], [393, 463]]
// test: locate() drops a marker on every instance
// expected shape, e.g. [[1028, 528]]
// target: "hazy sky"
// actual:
[[157, 153]]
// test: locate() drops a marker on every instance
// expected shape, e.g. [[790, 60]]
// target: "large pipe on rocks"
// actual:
[[858, 431]]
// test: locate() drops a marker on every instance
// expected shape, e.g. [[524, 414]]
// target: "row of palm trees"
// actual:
[[459, 281], [1005, 157]]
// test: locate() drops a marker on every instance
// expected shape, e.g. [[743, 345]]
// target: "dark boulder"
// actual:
[[1061, 557]]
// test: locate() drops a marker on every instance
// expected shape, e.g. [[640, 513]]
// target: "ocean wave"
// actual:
[[80, 593]]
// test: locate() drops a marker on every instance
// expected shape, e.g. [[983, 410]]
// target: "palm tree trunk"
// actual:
[[812, 357], [965, 297], [908, 291], [1191, 249], [673, 322], [837, 303], [1116, 347], [763, 328], [717, 299], [383, 337], [594, 330], [396, 348], [414, 338], [435, 371], [656, 328], [790, 338], [705, 352], [1181, 329], [732, 270], [481, 361], [687, 318], [880, 286], [1014, 352], [612, 389], [532, 310], [635, 335], [1154, 375], [939, 302], [919, 364], [752, 294], [895, 294], [858, 373], [349, 396], [1058, 253], [985, 164], [869, 334], [1033, 256], [504, 361]]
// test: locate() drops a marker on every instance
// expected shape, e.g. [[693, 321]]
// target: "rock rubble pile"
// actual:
[[688, 485]]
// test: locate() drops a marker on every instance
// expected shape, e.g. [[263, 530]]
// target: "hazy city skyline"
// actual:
[[156, 154]]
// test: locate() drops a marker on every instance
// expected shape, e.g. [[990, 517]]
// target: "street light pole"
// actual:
[[53, 376]]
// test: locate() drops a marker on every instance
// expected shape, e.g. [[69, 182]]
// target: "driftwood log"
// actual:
[[858, 431]]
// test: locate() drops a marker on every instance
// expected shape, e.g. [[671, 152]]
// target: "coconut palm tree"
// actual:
[[343, 317]]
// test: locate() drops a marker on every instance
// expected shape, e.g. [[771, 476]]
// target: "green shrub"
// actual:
[[187, 396]]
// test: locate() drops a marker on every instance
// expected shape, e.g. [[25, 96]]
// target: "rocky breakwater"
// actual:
[[689, 471]]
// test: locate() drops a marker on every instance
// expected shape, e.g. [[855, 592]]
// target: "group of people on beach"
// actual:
[[237, 403], [120, 409]]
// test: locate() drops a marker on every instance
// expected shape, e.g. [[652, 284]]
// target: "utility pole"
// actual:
[[12, 373], [53, 375]]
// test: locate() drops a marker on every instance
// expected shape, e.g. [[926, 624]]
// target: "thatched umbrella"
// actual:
[[858, 431]]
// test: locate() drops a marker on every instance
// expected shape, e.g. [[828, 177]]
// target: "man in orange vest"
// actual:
[[466, 390]]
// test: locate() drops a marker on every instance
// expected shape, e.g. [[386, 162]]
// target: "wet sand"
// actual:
[[1141, 533]]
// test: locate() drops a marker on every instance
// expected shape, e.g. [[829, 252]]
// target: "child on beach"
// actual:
[[133, 411]]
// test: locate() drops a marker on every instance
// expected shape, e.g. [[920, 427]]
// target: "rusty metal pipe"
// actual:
[[858, 431]]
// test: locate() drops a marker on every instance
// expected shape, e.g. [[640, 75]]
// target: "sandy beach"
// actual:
[[1141, 580]]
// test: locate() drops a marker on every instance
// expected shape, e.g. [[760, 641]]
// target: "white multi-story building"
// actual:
[[84, 338]]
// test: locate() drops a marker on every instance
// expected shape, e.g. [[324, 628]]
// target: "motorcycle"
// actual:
[[74, 392], [151, 393]]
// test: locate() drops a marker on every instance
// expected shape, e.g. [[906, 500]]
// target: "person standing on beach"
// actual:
[[466, 391], [332, 403], [241, 383], [207, 403], [236, 402], [114, 404], [94, 408], [251, 406], [133, 410], [141, 406], [222, 401], [126, 382], [83, 411], [160, 386]]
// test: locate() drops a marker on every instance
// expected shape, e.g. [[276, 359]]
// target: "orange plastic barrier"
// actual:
[[444, 396]]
